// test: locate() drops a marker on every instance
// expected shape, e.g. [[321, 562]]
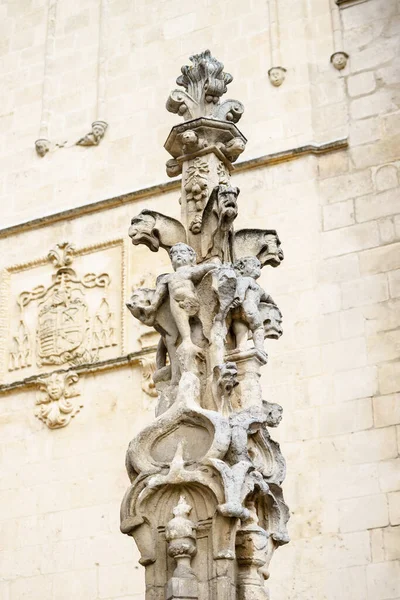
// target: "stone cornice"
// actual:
[[133, 358], [162, 188], [346, 3]]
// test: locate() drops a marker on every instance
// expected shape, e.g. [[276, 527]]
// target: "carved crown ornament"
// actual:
[[206, 476]]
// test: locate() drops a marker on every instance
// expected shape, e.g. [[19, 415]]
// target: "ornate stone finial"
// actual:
[[94, 137], [180, 533], [53, 400], [205, 82], [277, 75], [42, 146], [339, 60]]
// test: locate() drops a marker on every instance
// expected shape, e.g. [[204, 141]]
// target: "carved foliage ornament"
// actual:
[[205, 82], [56, 399]]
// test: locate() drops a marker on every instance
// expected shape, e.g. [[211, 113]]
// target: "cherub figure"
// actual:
[[246, 310], [180, 287]]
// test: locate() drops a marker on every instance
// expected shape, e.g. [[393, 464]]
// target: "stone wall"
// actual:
[[336, 368]]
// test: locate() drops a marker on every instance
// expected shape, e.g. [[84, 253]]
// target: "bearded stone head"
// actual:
[[226, 205]]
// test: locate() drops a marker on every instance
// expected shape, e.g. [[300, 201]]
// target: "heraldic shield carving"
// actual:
[[66, 331]]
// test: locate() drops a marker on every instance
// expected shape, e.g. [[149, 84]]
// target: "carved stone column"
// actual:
[[208, 453]]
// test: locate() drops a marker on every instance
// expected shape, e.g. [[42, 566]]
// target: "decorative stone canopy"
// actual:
[[205, 475]]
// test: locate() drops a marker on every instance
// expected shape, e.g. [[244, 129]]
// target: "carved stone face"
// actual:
[[98, 130], [55, 388], [189, 137], [42, 147], [339, 60], [227, 203], [182, 255], [277, 75], [142, 231]]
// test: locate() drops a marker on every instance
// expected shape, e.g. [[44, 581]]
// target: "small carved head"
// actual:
[[173, 167], [227, 201], [55, 386], [42, 146], [189, 137], [99, 128], [277, 76], [273, 413], [182, 255], [339, 60], [248, 266]]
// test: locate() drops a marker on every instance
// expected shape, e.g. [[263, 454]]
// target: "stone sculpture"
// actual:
[[53, 401], [94, 137], [208, 454]]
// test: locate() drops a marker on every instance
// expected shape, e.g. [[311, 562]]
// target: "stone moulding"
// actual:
[[206, 477], [161, 188]]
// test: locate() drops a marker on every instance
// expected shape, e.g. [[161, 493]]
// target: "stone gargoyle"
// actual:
[[263, 243], [155, 230]]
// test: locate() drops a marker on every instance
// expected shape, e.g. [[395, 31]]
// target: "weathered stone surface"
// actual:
[[209, 442]]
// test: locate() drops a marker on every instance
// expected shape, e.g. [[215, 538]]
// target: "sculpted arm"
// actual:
[[159, 295], [200, 270], [241, 289]]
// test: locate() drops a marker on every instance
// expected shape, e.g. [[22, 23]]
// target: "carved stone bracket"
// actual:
[[56, 399]]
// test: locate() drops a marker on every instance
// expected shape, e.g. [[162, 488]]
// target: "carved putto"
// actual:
[[56, 399], [208, 454]]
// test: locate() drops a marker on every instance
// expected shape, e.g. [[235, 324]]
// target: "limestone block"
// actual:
[[338, 418], [370, 446], [391, 539], [380, 205], [394, 507], [394, 283], [373, 56], [383, 580], [380, 260], [355, 383], [387, 230], [344, 187], [352, 323], [364, 131], [377, 545], [363, 83], [389, 475], [386, 177], [386, 410], [340, 214], [341, 268], [363, 513], [382, 101], [345, 482], [368, 290], [350, 239], [339, 356], [385, 150]]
